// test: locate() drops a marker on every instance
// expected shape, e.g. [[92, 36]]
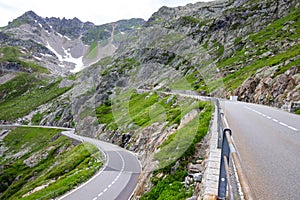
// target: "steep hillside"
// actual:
[[212, 48], [224, 43]]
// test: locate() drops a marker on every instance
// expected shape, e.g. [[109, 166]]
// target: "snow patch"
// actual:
[[78, 64], [40, 25], [77, 61], [59, 34], [61, 65], [68, 58], [60, 58], [67, 38], [37, 58]]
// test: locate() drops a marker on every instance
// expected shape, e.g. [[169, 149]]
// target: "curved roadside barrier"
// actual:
[[228, 151]]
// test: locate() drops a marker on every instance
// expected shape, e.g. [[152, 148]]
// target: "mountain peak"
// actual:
[[28, 17], [30, 14]]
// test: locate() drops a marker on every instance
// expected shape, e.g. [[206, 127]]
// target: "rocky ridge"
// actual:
[[64, 45]]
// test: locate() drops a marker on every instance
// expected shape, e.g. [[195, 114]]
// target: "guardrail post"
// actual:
[[219, 123], [225, 153]]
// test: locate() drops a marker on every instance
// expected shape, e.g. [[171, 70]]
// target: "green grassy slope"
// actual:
[[142, 110], [24, 93], [54, 161], [170, 185], [14, 55], [269, 40]]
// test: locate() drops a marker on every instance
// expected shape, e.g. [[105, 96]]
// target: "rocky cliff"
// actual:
[[64, 45]]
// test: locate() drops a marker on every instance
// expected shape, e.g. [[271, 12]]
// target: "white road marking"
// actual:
[[283, 124], [117, 177], [290, 127], [273, 119], [72, 135], [226, 122]]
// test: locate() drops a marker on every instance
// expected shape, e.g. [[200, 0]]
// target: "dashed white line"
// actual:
[[117, 177], [273, 119], [294, 129], [283, 124]]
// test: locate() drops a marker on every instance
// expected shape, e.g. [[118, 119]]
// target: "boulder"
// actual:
[[195, 168], [197, 177]]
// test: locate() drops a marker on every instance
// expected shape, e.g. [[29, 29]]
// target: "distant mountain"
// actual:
[[64, 45]]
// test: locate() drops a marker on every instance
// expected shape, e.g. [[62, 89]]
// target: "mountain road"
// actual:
[[116, 180], [268, 141]]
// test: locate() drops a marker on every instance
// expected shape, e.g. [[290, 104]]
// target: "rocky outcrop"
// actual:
[[264, 88], [13, 67], [64, 45], [74, 28], [34, 47]]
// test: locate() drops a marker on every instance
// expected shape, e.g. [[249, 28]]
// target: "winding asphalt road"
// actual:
[[117, 179], [268, 141]]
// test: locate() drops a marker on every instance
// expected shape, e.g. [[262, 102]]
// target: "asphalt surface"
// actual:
[[118, 178], [116, 181], [268, 142]]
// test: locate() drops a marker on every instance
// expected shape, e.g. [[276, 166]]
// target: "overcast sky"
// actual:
[[96, 11]]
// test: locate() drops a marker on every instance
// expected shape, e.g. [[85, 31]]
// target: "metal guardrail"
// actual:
[[228, 152], [224, 178], [219, 121]]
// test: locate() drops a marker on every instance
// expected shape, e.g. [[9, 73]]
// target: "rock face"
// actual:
[[12, 67], [264, 88], [203, 45], [64, 45]]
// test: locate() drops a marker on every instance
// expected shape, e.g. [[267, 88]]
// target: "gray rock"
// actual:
[[197, 177], [195, 168]]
